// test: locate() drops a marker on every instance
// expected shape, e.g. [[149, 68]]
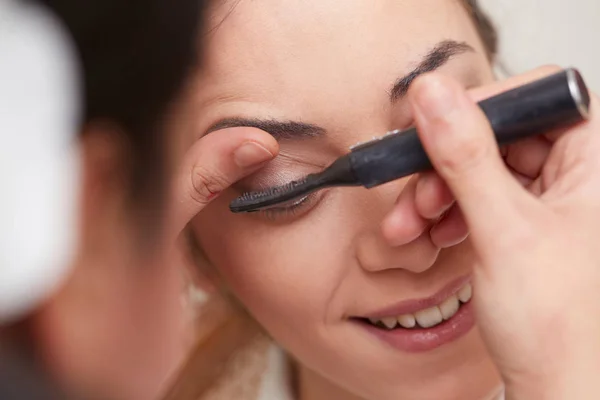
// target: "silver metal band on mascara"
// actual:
[[575, 87]]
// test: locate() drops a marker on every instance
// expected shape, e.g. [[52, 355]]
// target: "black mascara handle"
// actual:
[[558, 100]]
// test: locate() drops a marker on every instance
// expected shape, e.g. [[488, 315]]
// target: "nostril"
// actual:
[[374, 254]]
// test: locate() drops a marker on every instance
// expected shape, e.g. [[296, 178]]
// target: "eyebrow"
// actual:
[[282, 130], [436, 57]]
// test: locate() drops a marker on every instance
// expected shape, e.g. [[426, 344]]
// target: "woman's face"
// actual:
[[321, 76]]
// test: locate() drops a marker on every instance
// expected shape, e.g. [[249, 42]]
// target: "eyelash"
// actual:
[[293, 209]]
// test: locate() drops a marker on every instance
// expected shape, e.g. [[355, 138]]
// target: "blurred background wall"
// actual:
[[536, 32]]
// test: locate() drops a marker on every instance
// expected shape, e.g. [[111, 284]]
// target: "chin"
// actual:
[[461, 370]]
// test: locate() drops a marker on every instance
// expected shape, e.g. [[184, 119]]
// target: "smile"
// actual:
[[424, 324], [428, 317]]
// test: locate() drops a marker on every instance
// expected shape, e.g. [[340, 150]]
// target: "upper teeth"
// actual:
[[429, 317]]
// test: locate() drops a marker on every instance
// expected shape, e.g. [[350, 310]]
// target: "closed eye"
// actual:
[[292, 208]]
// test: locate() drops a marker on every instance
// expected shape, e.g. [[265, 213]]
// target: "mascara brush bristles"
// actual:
[[340, 173], [252, 201]]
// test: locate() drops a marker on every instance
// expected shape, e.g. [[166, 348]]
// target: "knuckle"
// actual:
[[206, 184]]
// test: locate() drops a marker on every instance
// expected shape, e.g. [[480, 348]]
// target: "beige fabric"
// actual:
[[276, 380], [246, 375]]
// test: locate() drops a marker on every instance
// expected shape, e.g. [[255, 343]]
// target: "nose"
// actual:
[[374, 254]]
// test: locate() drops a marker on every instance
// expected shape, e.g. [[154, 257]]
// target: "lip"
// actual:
[[422, 340], [411, 306]]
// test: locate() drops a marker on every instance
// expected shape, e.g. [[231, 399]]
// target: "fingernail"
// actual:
[[436, 99], [250, 154]]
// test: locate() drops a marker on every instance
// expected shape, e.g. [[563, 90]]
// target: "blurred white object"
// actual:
[[39, 162], [538, 32]]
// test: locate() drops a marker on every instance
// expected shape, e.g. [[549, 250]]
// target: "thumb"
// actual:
[[461, 145], [212, 164]]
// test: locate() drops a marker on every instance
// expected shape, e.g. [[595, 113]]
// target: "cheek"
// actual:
[[285, 275]]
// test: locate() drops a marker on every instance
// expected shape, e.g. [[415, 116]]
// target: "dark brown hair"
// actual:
[[135, 55], [486, 29]]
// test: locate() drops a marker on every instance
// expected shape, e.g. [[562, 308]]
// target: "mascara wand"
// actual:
[[559, 100]]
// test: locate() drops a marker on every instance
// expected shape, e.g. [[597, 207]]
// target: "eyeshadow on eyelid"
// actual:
[[299, 160], [278, 173]]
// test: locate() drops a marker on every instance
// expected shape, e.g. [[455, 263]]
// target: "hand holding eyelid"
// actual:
[[559, 100], [212, 164]]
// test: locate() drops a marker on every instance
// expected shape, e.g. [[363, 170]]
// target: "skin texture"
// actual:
[[302, 274]]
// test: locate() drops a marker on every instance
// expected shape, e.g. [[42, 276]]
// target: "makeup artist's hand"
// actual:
[[537, 278], [427, 204]]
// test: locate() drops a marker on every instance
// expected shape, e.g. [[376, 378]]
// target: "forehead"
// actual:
[[296, 52]]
